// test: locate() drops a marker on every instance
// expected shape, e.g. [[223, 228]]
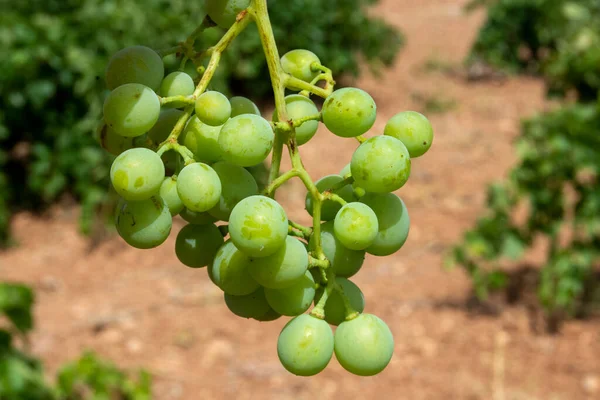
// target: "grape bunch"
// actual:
[[183, 150]]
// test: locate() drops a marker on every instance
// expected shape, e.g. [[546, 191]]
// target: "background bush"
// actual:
[[51, 87]]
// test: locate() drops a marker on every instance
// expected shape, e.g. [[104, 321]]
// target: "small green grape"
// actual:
[[283, 268], [300, 107], [224, 12], [202, 140], [131, 109], [213, 108], [167, 120], [197, 245], [136, 64], [345, 262], [335, 309], [143, 224], [329, 208], [111, 141], [137, 174], [197, 218], [298, 64], [237, 184], [177, 84], [295, 299], [394, 223], [199, 187], [413, 129], [246, 140], [242, 105], [168, 191], [229, 271], [349, 112], [253, 305], [356, 226]]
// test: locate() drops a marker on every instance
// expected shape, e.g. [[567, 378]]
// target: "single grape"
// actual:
[[282, 269], [197, 245], [300, 107], [202, 140], [364, 345], [329, 208], [253, 305], [305, 345], [242, 105], [295, 299], [258, 226], [164, 125], [168, 191], [345, 262], [394, 223], [199, 187], [269, 316], [111, 141], [298, 64], [246, 140], [236, 183], [131, 109], [137, 174], [224, 12], [177, 84], [413, 129], [197, 218], [356, 226], [381, 164], [335, 309], [143, 224], [136, 64], [229, 271], [349, 112], [213, 108]]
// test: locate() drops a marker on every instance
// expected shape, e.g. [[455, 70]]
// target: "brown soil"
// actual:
[[143, 309]]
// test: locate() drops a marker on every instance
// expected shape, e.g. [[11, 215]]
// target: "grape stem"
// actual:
[[188, 156], [306, 231], [188, 100], [361, 139]]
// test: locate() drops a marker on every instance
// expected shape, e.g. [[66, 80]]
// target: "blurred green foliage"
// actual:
[[51, 88]]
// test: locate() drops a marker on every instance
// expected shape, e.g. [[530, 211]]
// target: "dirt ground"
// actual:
[[144, 309]]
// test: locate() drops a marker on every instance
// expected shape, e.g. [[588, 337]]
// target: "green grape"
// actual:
[[253, 305], [413, 129], [202, 140], [295, 299], [356, 226], [299, 107], [246, 140], [237, 184], [258, 226], [305, 345], [131, 109], [136, 64], [329, 208], [298, 64], [197, 245], [111, 141], [199, 187], [349, 112], [177, 84], [282, 269], [143, 224], [394, 223], [168, 191], [364, 345], [242, 105], [381, 164], [164, 125], [270, 315], [335, 309], [345, 171], [224, 12], [213, 108], [345, 262], [229, 271], [137, 174], [197, 218]]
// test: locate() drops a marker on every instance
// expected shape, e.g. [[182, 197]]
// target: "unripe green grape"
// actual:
[[295, 299], [246, 140], [143, 224], [111, 141], [364, 345], [213, 108], [394, 223], [381, 164], [349, 112], [329, 208], [197, 245], [413, 129], [282, 269], [131, 109], [335, 309], [197, 218], [177, 84], [305, 345], [137, 174], [168, 191], [224, 12], [345, 262], [242, 105], [258, 226], [199, 187], [300, 107], [229, 271], [136, 64], [202, 140], [298, 64], [167, 120], [236, 185], [253, 305], [356, 226]]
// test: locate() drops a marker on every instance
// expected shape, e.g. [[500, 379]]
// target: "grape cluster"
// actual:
[[184, 151]]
